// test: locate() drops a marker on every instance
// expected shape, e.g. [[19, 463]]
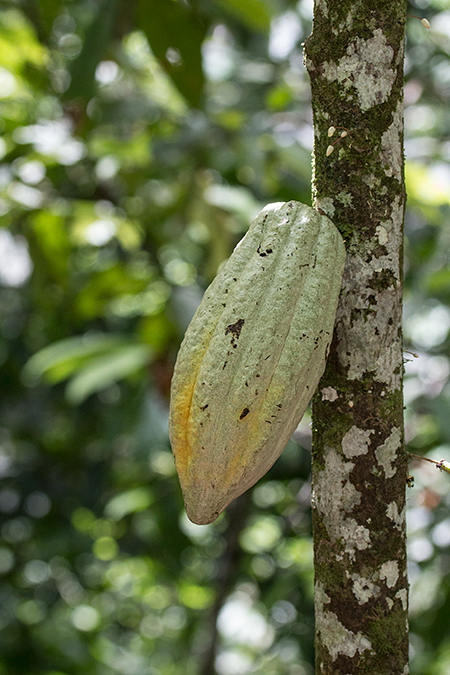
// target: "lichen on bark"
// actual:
[[354, 57]]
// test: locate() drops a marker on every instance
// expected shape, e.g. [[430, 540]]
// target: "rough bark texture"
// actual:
[[355, 61]]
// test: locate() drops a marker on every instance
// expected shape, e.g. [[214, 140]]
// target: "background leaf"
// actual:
[[175, 35], [97, 38], [102, 371], [255, 14]]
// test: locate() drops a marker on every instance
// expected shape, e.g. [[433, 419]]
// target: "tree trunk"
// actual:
[[355, 61]]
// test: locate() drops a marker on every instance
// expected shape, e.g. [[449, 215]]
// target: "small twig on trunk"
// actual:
[[442, 465]]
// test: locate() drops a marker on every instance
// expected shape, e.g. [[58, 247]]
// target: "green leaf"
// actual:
[[237, 200], [104, 371], [96, 41], [43, 15], [195, 596], [60, 359], [18, 44], [255, 14], [131, 501], [53, 241], [106, 287], [175, 35]]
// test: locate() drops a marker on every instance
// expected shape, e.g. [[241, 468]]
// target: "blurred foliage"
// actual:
[[137, 141]]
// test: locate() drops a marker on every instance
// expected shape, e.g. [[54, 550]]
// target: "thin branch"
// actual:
[[442, 465]]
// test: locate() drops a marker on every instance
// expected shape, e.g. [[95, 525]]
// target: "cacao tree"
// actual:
[[354, 57]]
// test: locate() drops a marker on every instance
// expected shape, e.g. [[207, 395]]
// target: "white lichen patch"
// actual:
[[355, 536], [345, 198], [334, 504], [371, 180], [393, 514], [382, 234], [368, 341], [386, 454], [391, 145], [364, 589], [347, 24], [344, 495], [386, 225], [365, 69], [356, 442], [390, 603], [336, 638], [322, 6], [389, 572], [329, 394], [326, 205], [402, 595]]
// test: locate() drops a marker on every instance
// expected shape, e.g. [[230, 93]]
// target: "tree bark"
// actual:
[[354, 57]]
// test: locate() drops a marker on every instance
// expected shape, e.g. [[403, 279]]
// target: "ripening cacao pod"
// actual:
[[253, 355]]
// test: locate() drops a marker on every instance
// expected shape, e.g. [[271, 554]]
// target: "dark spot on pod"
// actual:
[[264, 253], [279, 405], [203, 407], [244, 413], [223, 367], [235, 330]]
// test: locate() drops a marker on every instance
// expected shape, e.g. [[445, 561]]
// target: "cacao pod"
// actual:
[[253, 355]]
